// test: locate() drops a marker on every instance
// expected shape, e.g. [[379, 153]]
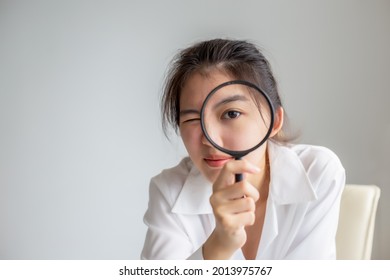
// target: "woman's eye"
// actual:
[[231, 115], [191, 120]]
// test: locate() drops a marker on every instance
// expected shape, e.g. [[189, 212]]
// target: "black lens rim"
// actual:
[[242, 153]]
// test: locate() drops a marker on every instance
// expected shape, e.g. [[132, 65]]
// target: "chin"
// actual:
[[211, 176]]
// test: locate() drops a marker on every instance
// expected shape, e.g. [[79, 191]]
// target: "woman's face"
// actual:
[[206, 158]]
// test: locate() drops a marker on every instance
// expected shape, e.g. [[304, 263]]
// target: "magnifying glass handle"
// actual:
[[239, 177]]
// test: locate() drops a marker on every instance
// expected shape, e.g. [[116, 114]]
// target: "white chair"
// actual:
[[357, 220]]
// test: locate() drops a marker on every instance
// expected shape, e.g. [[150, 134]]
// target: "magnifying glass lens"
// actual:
[[237, 117]]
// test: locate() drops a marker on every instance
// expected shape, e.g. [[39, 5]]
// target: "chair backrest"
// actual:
[[356, 223]]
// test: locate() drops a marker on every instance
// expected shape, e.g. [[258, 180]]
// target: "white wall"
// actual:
[[80, 129]]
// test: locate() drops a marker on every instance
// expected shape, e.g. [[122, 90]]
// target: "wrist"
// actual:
[[216, 249]]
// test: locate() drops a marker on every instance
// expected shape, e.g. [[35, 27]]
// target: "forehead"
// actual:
[[198, 86]]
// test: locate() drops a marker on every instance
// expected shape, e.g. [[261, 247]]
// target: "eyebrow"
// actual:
[[189, 111], [230, 99]]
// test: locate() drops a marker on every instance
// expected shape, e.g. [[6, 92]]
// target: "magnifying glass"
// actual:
[[237, 117]]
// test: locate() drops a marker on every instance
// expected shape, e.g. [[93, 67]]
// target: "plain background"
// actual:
[[80, 83]]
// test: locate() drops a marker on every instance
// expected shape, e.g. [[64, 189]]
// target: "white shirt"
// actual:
[[301, 217]]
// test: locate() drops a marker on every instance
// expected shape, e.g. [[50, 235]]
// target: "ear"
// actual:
[[278, 122]]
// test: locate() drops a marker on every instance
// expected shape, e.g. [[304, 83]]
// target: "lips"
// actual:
[[217, 161]]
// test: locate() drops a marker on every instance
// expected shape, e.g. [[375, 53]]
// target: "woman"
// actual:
[[286, 207]]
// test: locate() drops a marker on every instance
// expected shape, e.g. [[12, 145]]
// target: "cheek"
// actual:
[[191, 135], [256, 157]]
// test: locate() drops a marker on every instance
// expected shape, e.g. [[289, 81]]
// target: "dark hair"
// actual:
[[239, 59]]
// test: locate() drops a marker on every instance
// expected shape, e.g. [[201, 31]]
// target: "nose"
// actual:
[[205, 141], [215, 137]]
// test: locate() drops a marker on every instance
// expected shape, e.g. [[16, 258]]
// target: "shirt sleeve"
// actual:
[[316, 238], [166, 237]]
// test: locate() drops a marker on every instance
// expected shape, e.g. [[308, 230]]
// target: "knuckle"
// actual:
[[226, 223], [243, 186], [218, 213], [251, 218], [251, 204], [245, 163], [212, 200], [248, 204], [215, 197], [218, 210], [229, 166]]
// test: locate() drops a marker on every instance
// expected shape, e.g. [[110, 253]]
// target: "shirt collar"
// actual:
[[289, 180], [194, 198], [289, 183]]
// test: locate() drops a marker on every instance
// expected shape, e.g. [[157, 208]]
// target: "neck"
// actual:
[[261, 181]]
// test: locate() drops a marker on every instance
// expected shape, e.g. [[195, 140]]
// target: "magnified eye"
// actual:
[[231, 114]]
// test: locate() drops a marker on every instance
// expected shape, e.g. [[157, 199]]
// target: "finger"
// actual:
[[226, 176], [236, 191], [236, 222], [244, 204], [244, 219]]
